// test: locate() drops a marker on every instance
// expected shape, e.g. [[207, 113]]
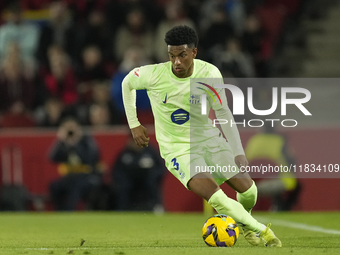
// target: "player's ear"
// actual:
[[194, 52]]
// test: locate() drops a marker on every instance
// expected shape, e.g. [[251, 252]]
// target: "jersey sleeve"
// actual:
[[222, 111], [129, 100], [216, 102], [229, 130], [140, 77]]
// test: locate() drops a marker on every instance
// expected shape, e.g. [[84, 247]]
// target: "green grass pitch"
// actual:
[[144, 233]]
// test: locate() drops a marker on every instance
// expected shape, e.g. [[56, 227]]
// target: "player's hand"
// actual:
[[61, 134], [140, 135], [241, 160]]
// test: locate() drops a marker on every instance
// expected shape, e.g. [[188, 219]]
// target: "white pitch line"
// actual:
[[303, 226]]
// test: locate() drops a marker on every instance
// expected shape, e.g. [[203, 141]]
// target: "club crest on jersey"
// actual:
[[194, 99], [136, 72]]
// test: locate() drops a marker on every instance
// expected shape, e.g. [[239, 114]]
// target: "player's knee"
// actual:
[[203, 186]]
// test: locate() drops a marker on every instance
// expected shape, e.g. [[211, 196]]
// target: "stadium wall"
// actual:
[[317, 146]]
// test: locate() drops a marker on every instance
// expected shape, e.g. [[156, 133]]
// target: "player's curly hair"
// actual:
[[180, 35]]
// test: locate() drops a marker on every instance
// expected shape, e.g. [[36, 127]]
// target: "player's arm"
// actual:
[[139, 133], [231, 132]]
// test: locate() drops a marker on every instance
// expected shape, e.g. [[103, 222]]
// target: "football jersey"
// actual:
[[176, 103]]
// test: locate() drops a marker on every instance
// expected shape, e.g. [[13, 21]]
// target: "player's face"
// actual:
[[182, 59]]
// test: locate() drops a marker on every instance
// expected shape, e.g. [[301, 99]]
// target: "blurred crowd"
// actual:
[[68, 57]]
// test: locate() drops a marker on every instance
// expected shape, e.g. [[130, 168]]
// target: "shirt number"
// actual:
[[175, 165]]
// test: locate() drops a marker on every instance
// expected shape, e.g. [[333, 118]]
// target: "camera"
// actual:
[[70, 133]]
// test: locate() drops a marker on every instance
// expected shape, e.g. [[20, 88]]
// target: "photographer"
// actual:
[[137, 177], [78, 158]]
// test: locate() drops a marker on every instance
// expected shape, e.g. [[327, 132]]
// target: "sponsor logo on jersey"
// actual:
[[166, 98], [136, 72], [180, 116]]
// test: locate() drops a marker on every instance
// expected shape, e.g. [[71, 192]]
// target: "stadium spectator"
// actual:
[[92, 68], [58, 31], [252, 5], [151, 9], [207, 8], [136, 33], [91, 71], [252, 40], [81, 9], [76, 26], [17, 30], [60, 81], [17, 92], [271, 146], [233, 62], [35, 4], [78, 157], [95, 32], [237, 14], [217, 33], [16, 82], [137, 176], [99, 116], [114, 12], [102, 104], [17, 117], [252, 36], [51, 113], [29, 66], [175, 15]]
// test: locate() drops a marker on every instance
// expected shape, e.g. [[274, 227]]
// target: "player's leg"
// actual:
[[240, 182], [246, 190], [204, 185], [246, 196], [184, 168]]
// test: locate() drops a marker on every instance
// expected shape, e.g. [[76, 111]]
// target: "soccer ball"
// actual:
[[220, 231]]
